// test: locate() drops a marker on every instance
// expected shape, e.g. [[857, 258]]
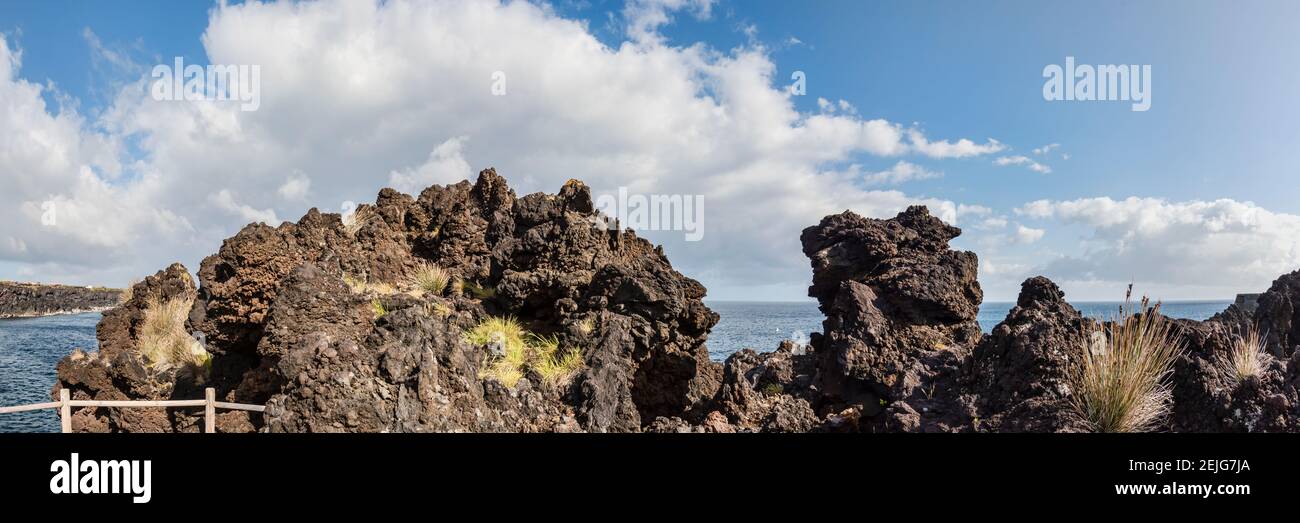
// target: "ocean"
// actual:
[[763, 325], [29, 348]]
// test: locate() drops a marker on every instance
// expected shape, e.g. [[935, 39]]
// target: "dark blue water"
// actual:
[[992, 313], [29, 349], [762, 325]]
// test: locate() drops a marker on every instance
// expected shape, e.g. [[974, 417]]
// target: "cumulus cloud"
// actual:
[[901, 172], [1026, 161], [1214, 248], [60, 175], [225, 201], [645, 17], [295, 187], [445, 166], [944, 149], [1028, 234], [357, 95]]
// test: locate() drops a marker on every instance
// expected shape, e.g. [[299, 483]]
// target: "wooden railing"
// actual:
[[66, 404]]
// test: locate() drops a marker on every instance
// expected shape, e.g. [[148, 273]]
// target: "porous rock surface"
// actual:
[[27, 300], [286, 330], [900, 351]]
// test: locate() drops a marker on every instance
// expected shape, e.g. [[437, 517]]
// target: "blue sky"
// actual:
[[1222, 124]]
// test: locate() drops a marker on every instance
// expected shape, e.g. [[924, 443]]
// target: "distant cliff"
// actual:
[[25, 300]]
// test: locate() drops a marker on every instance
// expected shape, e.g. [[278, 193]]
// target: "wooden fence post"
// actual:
[[210, 410], [65, 411]]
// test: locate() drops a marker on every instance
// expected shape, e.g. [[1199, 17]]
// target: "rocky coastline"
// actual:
[[31, 300], [319, 321]]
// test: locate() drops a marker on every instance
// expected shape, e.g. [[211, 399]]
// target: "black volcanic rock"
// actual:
[[1019, 371], [25, 300], [317, 320], [1277, 314], [900, 310], [118, 372], [288, 314], [900, 321]]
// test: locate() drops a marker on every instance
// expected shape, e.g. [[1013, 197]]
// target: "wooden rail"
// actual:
[[66, 403]]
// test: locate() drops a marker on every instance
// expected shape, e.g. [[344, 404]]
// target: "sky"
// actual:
[[900, 103]]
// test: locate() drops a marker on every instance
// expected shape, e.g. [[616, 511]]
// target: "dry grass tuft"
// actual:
[[442, 310], [163, 341], [430, 278], [1122, 381], [1246, 359], [360, 286], [128, 292], [586, 325], [358, 219]]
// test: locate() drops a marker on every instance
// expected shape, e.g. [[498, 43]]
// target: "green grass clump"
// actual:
[[377, 307], [439, 309], [482, 292], [513, 350], [507, 349], [430, 278], [556, 366], [162, 339], [1121, 383]]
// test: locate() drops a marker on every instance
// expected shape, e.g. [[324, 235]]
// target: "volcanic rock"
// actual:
[[319, 320]]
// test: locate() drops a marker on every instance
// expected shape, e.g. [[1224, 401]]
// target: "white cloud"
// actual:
[[60, 180], [645, 17], [944, 149], [1028, 234], [1209, 248], [1022, 160], [225, 201], [357, 95], [295, 187], [901, 172], [1046, 148], [445, 166]]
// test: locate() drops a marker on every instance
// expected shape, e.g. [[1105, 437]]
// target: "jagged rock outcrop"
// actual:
[[25, 300], [889, 289], [901, 352], [1209, 397], [320, 321], [316, 320], [1018, 373], [900, 314], [900, 321], [117, 371], [1277, 314]]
